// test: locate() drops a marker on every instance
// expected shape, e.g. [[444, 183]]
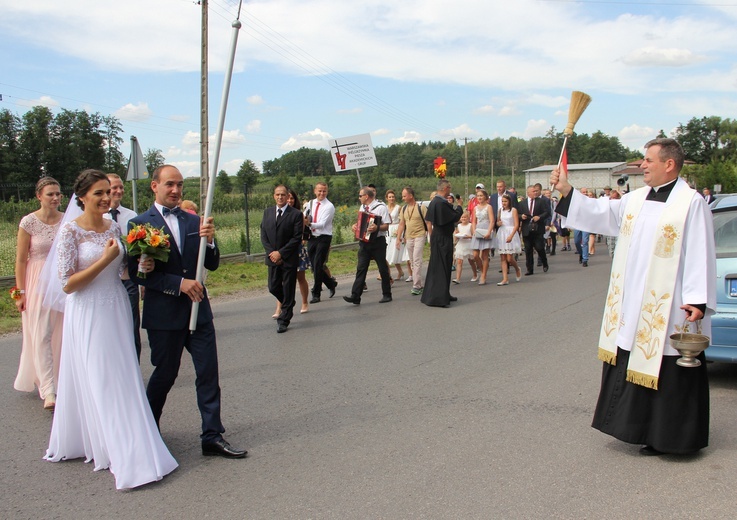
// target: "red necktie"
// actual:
[[314, 217], [365, 208], [532, 206]]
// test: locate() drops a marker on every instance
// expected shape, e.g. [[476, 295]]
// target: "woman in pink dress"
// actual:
[[42, 327]]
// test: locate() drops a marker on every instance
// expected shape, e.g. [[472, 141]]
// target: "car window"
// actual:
[[725, 234]]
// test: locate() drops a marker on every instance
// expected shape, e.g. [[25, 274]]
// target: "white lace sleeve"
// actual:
[[67, 253]]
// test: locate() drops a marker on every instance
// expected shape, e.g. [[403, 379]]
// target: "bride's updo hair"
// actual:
[[85, 181]]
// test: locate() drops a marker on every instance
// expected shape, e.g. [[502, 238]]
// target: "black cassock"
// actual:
[[443, 217]]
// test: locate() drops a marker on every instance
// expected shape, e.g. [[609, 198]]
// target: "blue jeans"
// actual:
[[581, 239]]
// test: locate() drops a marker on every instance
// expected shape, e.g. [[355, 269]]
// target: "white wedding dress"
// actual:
[[102, 412]]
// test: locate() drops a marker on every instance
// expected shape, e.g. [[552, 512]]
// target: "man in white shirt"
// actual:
[[122, 215], [319, 218], [373, 249]]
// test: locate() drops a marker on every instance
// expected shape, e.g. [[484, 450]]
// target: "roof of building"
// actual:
[[611, 166]]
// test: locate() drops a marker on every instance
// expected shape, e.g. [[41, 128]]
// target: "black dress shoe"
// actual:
[[529, 273], [649, 451], [545, 269], [281, 328], [351, 299], [385, 299], [332, 289], [454, 298], [316, 299], [585, 264], [222, 448]]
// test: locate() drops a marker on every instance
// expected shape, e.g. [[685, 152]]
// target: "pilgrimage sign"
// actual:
[[352, 153]]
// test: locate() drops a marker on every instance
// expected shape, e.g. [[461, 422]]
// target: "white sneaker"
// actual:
[[408, 279]]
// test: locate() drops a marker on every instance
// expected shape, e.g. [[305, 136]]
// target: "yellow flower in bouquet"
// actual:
[[144, 239]]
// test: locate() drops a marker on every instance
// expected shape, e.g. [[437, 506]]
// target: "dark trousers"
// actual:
[[135, 297], [282, 284], [318, 249], [537, 242], [367, 251], [166, 356]]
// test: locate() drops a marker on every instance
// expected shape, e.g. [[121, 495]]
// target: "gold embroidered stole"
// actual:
[[650, 340]]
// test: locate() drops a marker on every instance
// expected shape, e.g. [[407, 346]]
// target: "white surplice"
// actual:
[[697, 270]]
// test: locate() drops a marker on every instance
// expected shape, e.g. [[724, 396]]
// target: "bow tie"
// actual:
[[174, 211]]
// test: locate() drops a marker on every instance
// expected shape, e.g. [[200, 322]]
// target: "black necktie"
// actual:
[[278, 214], [114, 214], [174, 211]]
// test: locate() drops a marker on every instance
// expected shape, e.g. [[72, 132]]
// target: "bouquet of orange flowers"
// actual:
[[145, 241]]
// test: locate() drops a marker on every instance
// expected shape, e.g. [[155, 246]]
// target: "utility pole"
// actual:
[[465, 153], [204, 126]]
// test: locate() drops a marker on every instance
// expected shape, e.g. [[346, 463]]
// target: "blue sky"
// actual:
[[415, 70]]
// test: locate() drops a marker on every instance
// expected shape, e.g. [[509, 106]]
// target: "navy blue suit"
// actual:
[[166, 319]]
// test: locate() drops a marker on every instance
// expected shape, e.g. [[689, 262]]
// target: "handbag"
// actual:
[[481, 234]]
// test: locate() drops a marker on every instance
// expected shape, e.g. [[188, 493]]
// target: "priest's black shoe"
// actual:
[[385, 299], [454, 298], [649, 451], [222, 448], [315, 299], [281, 328], [351, 299]]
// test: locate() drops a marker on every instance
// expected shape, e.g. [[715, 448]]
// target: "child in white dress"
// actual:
[[463, 249]]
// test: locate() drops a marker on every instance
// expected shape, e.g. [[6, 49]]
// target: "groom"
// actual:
[[170, 290]]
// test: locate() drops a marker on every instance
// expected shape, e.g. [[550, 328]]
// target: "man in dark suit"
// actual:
[[170, 290], [495, 199], [281, 235], [534, 211]]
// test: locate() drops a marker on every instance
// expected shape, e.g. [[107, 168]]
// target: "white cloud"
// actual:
[[44, 101], [459, 133], [535, 128], [313, 139], [635, 136], [408, 137], [138, 113], [231, 139], [255, 100], [509, 111], [381, 131], [486, 109], [254, 126], [654, 57]]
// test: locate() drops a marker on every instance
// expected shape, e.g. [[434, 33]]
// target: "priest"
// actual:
[[662, 282], [442, 218]]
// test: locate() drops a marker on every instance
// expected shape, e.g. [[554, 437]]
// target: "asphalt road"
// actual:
[[394, 411]]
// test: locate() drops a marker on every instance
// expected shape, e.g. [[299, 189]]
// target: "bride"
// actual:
[[102, 412]]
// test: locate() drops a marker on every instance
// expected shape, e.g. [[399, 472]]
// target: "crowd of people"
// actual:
[[87, 345]]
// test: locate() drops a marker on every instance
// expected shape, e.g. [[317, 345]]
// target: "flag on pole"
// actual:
[[136, 164]]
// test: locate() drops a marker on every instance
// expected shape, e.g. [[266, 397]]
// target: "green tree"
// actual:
[[34, 141], [223, 182], [704, 139], [114, 160], [153, 159], [9, 146], [248, 174]]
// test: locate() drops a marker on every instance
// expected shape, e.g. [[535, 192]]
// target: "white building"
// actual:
[[589, 175]]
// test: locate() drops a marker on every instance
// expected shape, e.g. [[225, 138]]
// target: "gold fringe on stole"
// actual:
[[641, 379], [607, 357]]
